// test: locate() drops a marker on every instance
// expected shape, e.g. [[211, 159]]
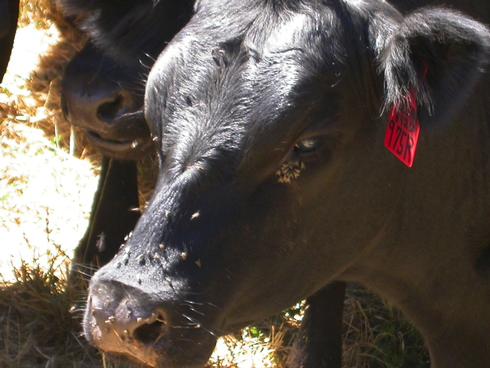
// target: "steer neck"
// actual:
[[427, 261], [432, 280], [445, 300]]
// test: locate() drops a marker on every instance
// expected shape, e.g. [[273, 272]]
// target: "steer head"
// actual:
[[103, 85], [270, 118]]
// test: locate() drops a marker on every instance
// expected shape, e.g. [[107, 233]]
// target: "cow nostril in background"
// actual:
[[108, 111], [149, 333]]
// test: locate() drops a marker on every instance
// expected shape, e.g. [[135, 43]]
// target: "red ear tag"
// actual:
[[402, 134]]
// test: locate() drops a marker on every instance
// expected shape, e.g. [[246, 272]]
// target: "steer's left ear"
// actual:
[[438, 55]]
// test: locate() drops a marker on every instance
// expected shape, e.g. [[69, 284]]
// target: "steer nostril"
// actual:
[[108, 111], [150, 333]]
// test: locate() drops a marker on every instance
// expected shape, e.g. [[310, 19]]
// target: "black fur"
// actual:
[[129, 29], [439, 40]]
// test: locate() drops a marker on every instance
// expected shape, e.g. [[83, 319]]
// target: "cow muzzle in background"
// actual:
[[104, 99]]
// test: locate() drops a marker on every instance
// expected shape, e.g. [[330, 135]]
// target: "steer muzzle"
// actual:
[[124, 320], [100, 97]]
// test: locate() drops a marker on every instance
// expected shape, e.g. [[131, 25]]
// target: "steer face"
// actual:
[[103, 85], [267, 116], [105, 99]]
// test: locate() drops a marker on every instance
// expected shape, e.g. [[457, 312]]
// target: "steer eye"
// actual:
[[307, 146], [304, 152]]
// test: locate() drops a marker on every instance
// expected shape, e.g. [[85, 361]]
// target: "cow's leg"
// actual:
[[9, 13], [320, 341], [113, 214]]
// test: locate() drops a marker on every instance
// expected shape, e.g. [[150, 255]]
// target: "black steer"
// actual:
[[101, 94], [274, 179], [104, 81]]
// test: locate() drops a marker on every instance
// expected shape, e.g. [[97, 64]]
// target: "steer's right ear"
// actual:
[[438, 55]]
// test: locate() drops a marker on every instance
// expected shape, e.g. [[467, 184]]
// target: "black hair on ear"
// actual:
[[436, 54]]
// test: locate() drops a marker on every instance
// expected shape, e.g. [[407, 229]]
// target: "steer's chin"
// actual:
[[127, 138], [184, 355], [123, 149]]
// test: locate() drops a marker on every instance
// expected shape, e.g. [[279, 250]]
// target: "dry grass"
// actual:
[[37, 328], [39, 220], [47, 182], [43, 170]]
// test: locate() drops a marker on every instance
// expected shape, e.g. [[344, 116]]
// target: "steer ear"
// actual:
[[438, 55]]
